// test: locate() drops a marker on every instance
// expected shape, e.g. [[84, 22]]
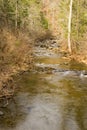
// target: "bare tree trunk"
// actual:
[[2, 1], [78, 6], [2, 4], [16, 14], [69, 26], [53, 20]]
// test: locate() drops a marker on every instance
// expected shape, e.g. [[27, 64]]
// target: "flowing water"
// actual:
[[53, 97]]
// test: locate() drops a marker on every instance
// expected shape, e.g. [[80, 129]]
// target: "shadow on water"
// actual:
[[74, 65], [76, 106], [11, 116]]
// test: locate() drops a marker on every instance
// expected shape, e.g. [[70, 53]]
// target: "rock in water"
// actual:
[[1, 113]]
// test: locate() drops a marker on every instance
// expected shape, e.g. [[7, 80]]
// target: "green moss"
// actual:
[[17, 43], [44, 21]]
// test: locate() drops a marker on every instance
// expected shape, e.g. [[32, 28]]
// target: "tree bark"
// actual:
[[69, 26], [16, 14]]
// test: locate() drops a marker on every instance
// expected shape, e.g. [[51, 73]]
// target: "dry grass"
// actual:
[[15, 56]]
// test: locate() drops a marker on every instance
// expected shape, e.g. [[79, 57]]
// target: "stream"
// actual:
[[52, 97]]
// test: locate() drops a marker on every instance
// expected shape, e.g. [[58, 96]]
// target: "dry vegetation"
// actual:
[[15, 56]]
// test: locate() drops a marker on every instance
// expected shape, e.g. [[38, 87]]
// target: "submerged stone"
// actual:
[[1, 113]]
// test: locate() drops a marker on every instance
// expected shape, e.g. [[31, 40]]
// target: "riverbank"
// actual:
[[54, 47], [15, 57]]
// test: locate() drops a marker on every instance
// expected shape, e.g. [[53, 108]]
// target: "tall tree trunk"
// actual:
[[16, 14], [78, 6], [2, 2], [69, 26]]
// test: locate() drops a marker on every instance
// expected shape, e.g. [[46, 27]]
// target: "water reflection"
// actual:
[[11, 116], [76, 106], [77, 66], [48, 102]]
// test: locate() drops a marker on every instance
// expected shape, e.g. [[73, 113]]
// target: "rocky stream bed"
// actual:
[[51, 97]]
